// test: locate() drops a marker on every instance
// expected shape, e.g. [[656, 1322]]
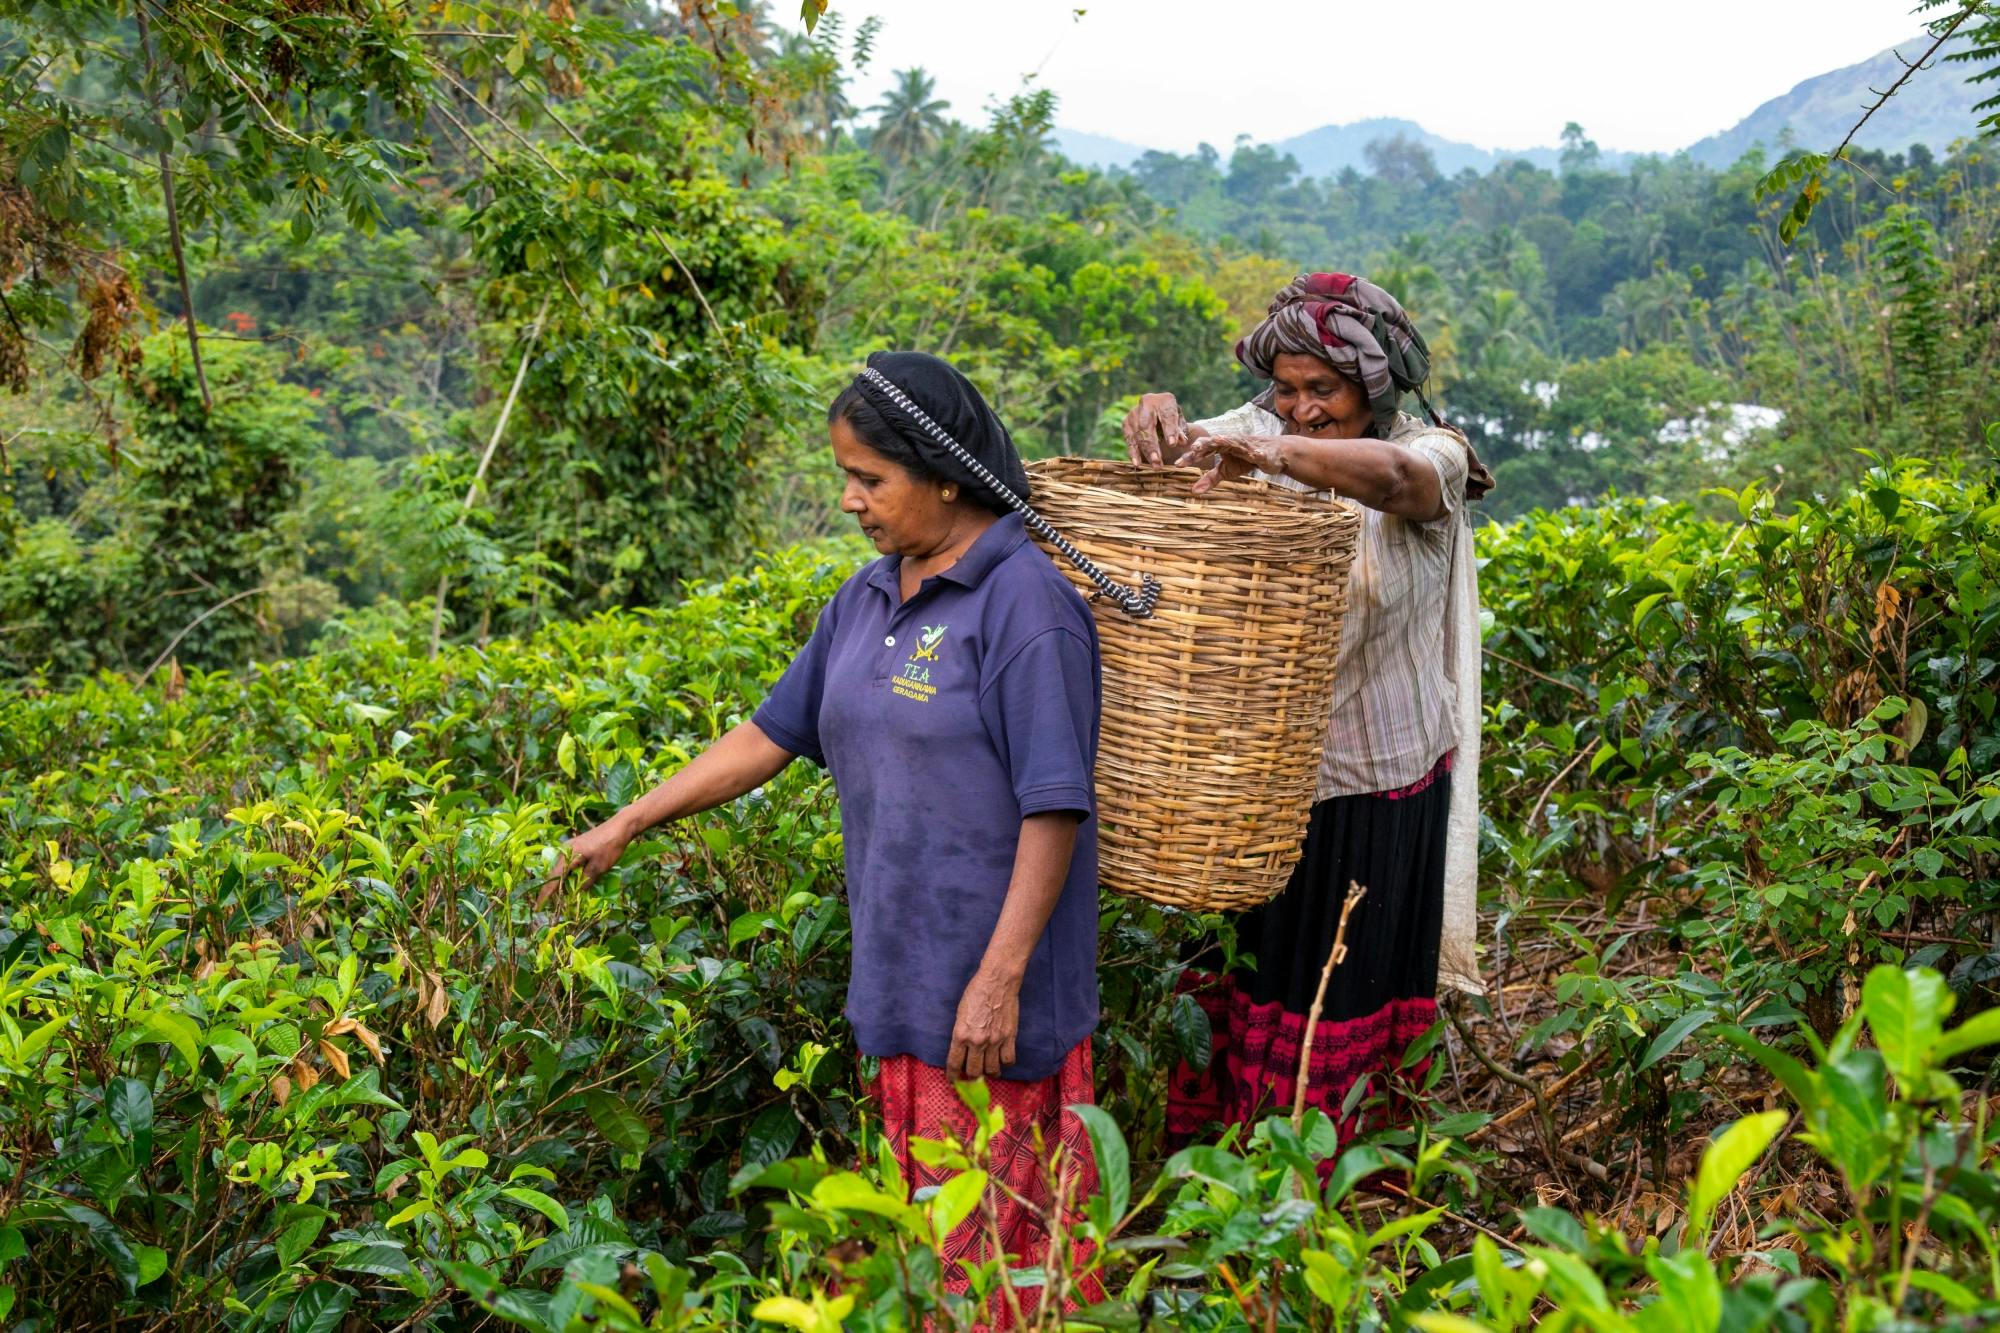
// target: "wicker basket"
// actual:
[[1215, 707]]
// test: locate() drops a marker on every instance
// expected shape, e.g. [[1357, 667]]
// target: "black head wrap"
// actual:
[[949, 399], [918, 412]]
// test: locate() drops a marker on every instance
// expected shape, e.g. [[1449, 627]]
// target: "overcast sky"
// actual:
[[1172, 73]]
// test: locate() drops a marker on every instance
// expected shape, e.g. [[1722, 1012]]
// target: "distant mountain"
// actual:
[[1096, 150], [1333, 149], [1933, 108], [1330, 149]]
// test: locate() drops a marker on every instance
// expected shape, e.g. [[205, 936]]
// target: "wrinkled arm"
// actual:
[[1389, 477], [1384, 476]]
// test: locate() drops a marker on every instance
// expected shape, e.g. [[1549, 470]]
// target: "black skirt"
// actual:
[[1382, 997]]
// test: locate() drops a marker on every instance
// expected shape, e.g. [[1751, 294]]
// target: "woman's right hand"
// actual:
[[591, 854], [1155, 431]]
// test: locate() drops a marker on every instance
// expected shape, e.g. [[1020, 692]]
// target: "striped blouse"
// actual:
[[1396, 694]]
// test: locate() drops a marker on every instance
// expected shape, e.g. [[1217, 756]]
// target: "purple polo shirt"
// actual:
[[945, 720]]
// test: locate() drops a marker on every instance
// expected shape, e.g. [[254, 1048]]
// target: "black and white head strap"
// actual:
[[1138, 605]]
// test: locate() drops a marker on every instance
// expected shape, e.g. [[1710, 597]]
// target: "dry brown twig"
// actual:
[[1334, 957]]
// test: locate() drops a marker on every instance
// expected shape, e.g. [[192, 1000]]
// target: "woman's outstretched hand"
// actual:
[[744, 758], [989, 1019], [1227, 457], [591, 854], [1155, 430]]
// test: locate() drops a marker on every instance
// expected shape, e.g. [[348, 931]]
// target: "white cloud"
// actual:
[[1173, 73]]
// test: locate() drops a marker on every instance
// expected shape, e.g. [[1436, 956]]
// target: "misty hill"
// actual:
[[1933, 108], [1331, 149], [1096, 150]]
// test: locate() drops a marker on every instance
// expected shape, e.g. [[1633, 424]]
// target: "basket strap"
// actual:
[[1139, 605]]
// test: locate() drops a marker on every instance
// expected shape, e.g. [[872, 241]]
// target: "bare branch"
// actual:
[[173, 212], [1971, 7], [486, 458]]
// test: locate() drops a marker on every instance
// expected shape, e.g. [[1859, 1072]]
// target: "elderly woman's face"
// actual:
[[900, 512], [1315, 399]]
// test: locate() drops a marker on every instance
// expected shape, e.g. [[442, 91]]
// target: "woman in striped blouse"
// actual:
[[1396, 810]]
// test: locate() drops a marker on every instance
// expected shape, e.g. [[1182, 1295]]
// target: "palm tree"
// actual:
[[1495, 331], [912, 120]]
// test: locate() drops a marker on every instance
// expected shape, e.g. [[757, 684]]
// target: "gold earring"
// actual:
[[949, 493]]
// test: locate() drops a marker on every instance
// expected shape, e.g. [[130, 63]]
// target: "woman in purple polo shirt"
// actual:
[[951, 688]]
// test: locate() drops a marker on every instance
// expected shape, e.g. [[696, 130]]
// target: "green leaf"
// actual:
[[1355, 1165], [588, 1233], [32, 1044], [152, 1263], [1553, 1226], [617, 1122], [1327, 1278], [1956, 1296], [1491, 1272], [377, 1258], [1982, 1029], [1906, 1012], [787, 1310], [236, 1051], [1114, 1158], [796, 1174], [1734, 1151], [1800, 1082], [750, 925], [12, 1245], [1690, 1293], [282, 1039], [955, 1200], [1854, 1116], [620, 783], [298, 1234], [1216, 1165], [1676, 1032], [6, 1300], [528, 1308], [1192, 1034], [109, 1241], [770, 1137], [421, 1208], [66, 934], [540, 1202], [851, 1193], [129, 1106], [1438, 1321], [566, 755]]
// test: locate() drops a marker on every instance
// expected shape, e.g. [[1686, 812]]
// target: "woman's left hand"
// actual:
[[1227, 457], [989, 1019]]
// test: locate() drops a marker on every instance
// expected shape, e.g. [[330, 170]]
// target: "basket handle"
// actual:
[[1138, 605]]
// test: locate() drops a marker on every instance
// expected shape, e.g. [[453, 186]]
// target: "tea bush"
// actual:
[[1770, 738], [286, 1042]]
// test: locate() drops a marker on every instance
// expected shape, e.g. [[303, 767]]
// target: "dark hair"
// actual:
[[868, 423]]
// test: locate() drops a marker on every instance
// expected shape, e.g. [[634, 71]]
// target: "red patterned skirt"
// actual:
[[917, 1100], [1380, 999]]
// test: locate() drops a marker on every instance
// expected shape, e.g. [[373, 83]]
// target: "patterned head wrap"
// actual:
[[1362, 332]]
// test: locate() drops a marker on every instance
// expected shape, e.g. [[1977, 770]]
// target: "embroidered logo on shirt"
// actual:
[[915, 680]]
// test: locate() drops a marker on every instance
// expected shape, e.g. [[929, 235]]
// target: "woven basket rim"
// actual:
[[1124, 478]]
